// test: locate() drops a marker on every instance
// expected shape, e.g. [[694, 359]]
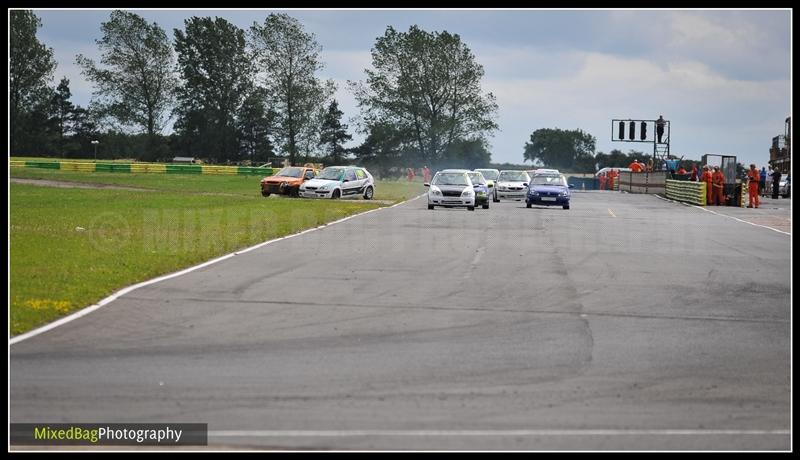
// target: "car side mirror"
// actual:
[[571, 186], [490, 185], [426, 184], [345, 180], [524, 184]]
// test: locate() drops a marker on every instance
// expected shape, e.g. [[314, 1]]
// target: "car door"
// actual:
[[361, 178], [350, 182]]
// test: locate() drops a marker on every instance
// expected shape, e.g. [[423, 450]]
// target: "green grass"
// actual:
[[126, 237], [190, 183]]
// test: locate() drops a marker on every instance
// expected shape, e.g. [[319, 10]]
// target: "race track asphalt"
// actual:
[[625, 323]]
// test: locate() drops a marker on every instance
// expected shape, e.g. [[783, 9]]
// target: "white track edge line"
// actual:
[[85, 311], [723, 215]]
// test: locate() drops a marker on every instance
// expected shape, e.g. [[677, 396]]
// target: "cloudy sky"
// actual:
[[722, 77]]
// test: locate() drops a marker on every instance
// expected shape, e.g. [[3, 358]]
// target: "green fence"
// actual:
[[150, 168]]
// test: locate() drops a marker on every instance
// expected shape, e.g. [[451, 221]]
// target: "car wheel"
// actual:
[[336, 194], [368, 193], [527, 205], [264, 194], [566, 206], [485, 206], [470, 208], [495, 199], [430, 206]]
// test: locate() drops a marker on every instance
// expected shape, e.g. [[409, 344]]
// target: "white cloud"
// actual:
[[708, 112]]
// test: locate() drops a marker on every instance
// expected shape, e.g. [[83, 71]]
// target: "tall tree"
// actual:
[[429, 85], [558, 148], [62, 113], [217, 74], [31, 66], [385, 149], [334, 133], [136, 86], [86, 128], [253, 126], [289, 60], [470, 154]]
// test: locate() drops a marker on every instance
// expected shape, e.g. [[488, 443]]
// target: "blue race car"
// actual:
[[548, 190]]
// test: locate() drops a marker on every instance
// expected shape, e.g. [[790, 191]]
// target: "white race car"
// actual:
[[511, 185], [339, 181]]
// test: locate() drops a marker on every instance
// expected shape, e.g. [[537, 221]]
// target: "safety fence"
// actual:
[[686, 191], [642, 182], [137, 168]]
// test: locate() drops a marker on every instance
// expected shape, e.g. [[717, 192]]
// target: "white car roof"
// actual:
[[455, 171]]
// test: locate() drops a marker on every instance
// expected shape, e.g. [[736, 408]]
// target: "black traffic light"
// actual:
[[632, 130], [621, 130], [643, 134]]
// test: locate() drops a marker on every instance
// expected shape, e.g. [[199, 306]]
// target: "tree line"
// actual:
[[234, 95], [248, 95]]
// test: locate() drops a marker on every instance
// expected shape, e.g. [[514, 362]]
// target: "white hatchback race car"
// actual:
[[512, 185], [339, 181]]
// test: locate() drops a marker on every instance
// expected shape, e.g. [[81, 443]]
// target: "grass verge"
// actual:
[[392, 190], [72, 247]]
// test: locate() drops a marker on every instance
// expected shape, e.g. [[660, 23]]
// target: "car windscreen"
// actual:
[[549, 180], [450, 179], [489, 174], [476, 178], [513, 176], [291, 172], [331, 174]]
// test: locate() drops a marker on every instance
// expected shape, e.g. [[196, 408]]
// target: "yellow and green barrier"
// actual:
[[687, 191], [140, 168]]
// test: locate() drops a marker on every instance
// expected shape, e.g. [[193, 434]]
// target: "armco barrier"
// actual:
[[184, 169], [687, 191], [219, 169], [43, 164], [139, 168], [148, 168], [76, 166]]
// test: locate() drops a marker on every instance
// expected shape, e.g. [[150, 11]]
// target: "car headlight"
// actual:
[[564, 193], [435, 191], [533, 192], [468, 192]]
